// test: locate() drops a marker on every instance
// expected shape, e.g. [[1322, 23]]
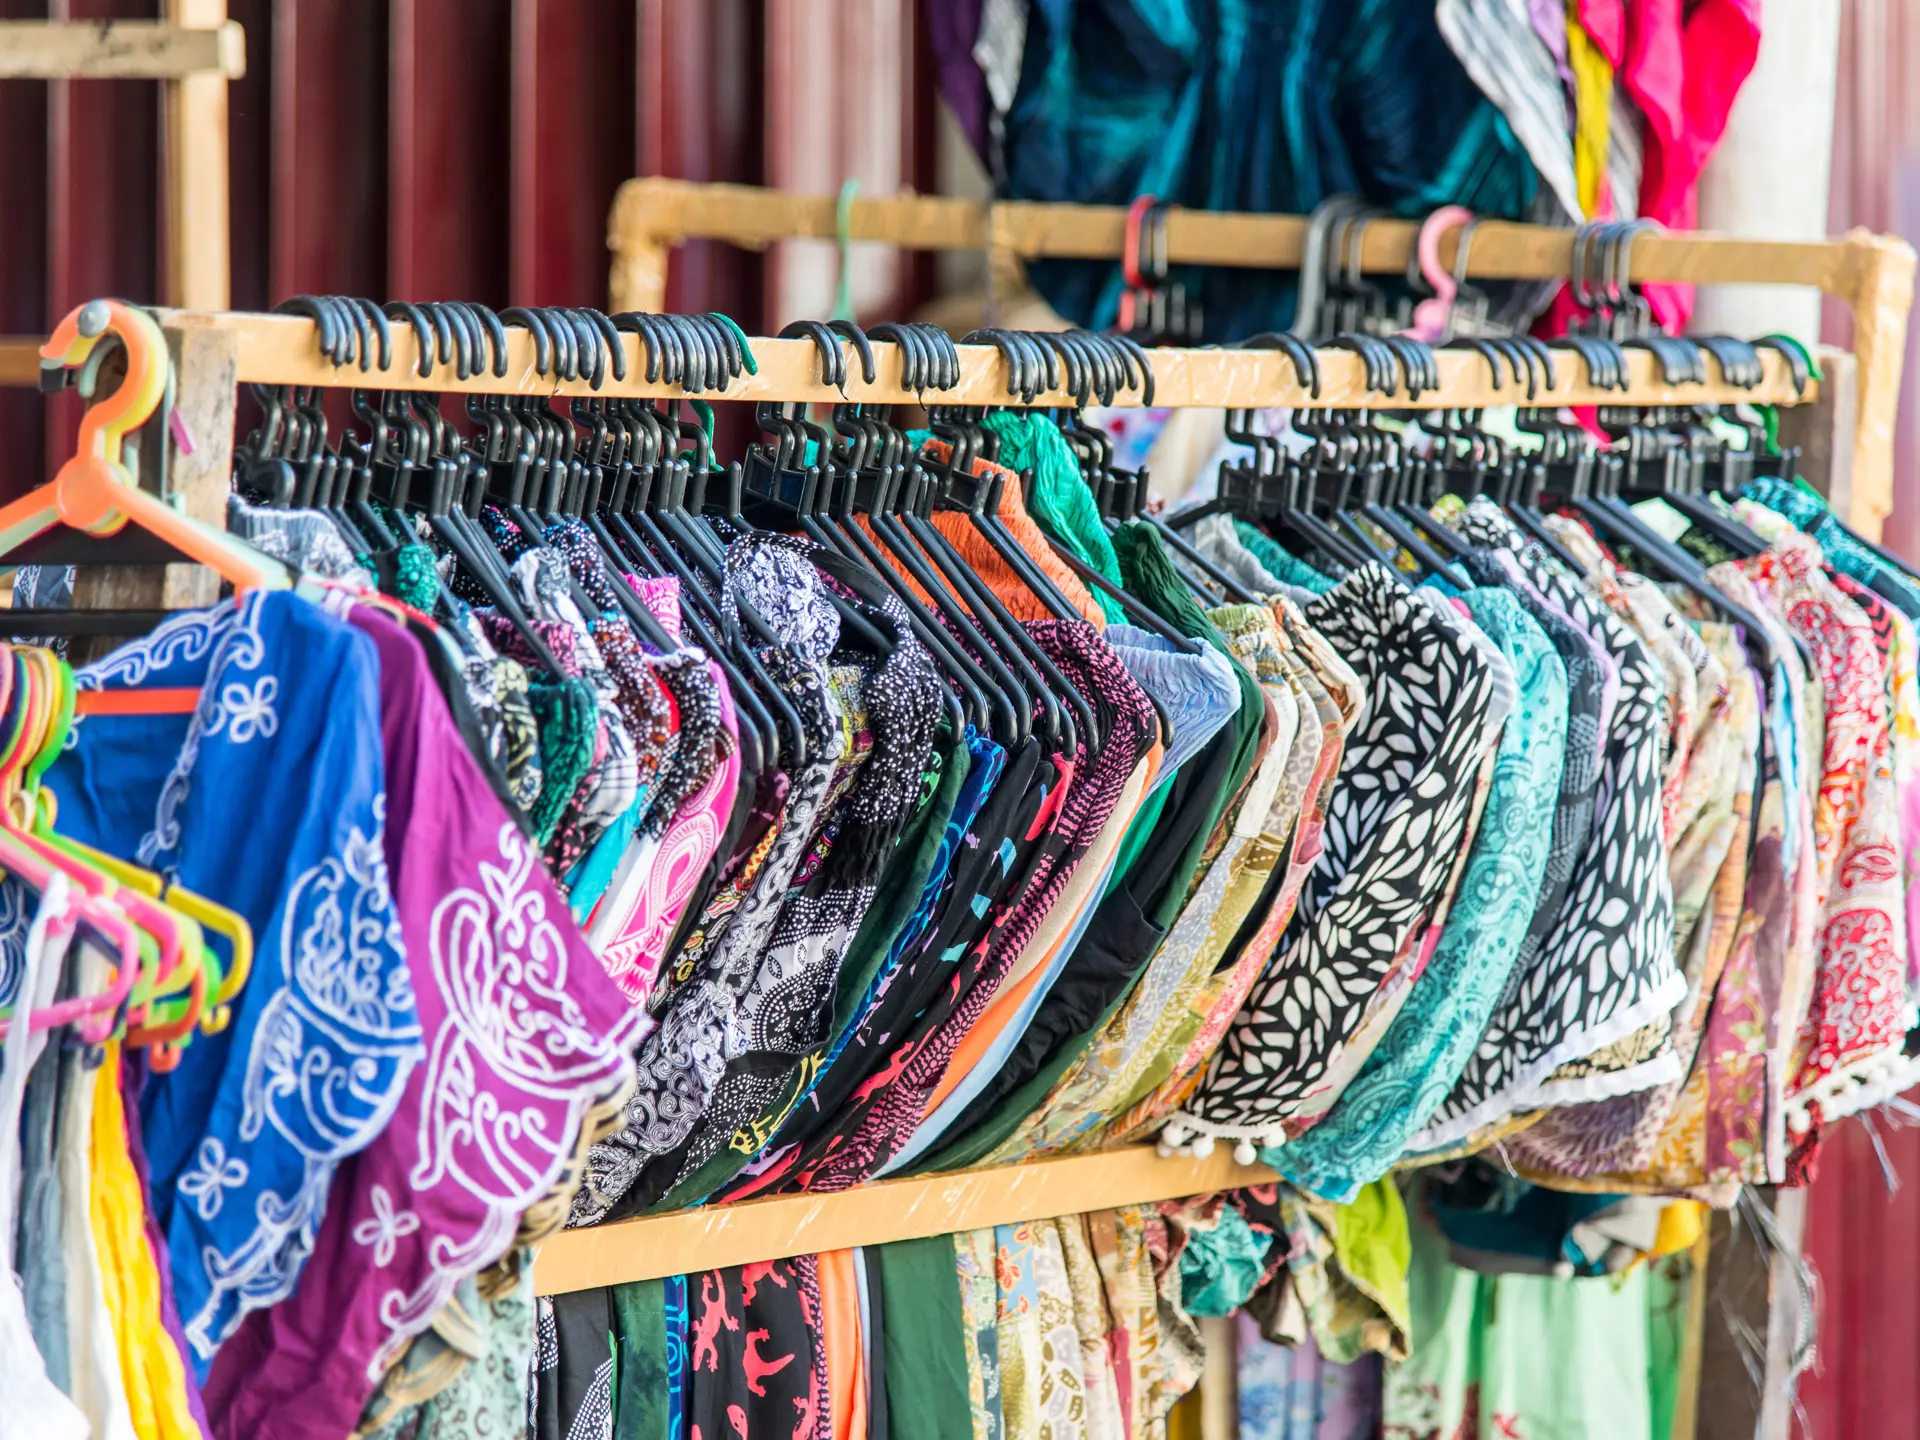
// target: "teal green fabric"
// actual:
[[1139, 831], [923, 1355], [1149, 575], [1237, 105], [1279, 563], [1061, 502], [567, 714], [1221, 1267], [1447, 1008], [640, 1360]]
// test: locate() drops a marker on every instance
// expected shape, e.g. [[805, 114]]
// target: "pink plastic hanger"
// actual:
[[1431, 316]]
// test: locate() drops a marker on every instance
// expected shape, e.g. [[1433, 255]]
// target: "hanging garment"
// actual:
[[1619, 1135], [682, 1062], [893, 980], [1391, 842], [1618, 906], [1202, 694], [519, 1019], [245, 1136], [1475, 1369], [1420, 1057], [96, 1381], [1862, 944], [924, 846], [1091, 796], [36, 1405], [1202, 105], [1294, 825]]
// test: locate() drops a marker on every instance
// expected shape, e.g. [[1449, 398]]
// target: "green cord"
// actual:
[[843, 240]]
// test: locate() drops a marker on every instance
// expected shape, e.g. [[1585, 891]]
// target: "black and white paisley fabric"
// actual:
[[773, 574], [697, 746], [680, 1064], [1606, 967], [786, 1008], [1396, 823]]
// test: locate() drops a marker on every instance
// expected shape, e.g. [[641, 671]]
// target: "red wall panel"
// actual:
[[1864, 1242], [450, 136], [328, 184], [573, 132]]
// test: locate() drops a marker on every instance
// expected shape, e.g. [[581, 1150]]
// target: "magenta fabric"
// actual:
[[525, 1032], [1683, 64]]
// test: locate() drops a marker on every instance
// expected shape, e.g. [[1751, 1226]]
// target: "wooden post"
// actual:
[[1763, 1297], [638, 277], [1826, 430], [198, 263], [206, 362], [1882, 294]]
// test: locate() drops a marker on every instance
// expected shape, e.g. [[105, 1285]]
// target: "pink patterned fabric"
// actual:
[[635, 922], [1854, 1023]]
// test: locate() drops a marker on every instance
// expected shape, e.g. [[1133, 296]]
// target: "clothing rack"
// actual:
[[214, 353], [1872, 274]]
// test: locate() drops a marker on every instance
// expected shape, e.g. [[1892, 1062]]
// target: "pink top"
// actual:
[[1682, 64], [635, 923]]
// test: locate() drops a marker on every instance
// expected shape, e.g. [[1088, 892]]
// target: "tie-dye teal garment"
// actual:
[[1842, 550]]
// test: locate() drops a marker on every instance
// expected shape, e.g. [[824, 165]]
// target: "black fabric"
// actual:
[[922, 972], [453, 687], [583, 1324], [750, 1349], [1110, 956], [873, 1342]]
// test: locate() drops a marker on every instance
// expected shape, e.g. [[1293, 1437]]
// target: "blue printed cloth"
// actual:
[[269, 799]]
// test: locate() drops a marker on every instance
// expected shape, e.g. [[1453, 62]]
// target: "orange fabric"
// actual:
[[840, 1332], [1021, 602], [1006, 1005]]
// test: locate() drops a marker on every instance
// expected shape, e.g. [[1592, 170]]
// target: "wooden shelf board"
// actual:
[[656, 210], [282, 350], [689, 1241], [120, 50]]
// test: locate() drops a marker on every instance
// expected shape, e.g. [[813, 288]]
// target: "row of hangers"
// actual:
[[1362, 475], [642, 478]]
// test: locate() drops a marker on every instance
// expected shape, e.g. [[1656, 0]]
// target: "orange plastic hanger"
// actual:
[[95, 492]]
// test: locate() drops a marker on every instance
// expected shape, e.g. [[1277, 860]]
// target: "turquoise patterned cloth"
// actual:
[[1843, 551], [1221, 1266], [1279, 563], [1448, 1006]]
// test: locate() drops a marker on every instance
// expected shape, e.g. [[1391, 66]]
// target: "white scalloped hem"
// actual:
[[1523, 1091], [1185, 1134], [1871, 1081], [1608, 1086]]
